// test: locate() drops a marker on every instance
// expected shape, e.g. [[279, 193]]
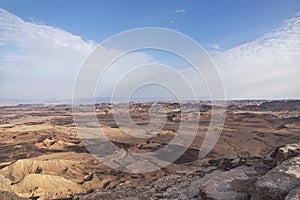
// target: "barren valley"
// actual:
[[42, 156]]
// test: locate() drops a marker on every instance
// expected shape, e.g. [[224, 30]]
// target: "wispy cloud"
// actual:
[[181, 11], [268, 67], [214, 46]]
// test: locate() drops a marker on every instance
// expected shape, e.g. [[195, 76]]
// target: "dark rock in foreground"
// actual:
[[244, 178], [234, 184], [279, 181], [293, 194], [281, 154]]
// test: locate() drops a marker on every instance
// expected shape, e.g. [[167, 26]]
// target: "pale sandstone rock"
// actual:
[[46, 187], [59, 175]]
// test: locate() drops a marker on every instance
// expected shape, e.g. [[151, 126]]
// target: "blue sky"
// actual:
[[255, 44], [226, 23]]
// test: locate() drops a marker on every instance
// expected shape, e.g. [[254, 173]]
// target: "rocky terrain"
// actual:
[[256, 157]]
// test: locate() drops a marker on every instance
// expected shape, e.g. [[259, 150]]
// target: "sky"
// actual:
[[254, 44]]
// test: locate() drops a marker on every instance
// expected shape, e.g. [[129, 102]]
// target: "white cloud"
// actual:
[[120, 68], [214, 46], [39, 61], [181, 10], [268, 67]]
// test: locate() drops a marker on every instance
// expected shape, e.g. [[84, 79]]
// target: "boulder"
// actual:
[[281, 154], [293, 194], [279, 181], [235, 184]]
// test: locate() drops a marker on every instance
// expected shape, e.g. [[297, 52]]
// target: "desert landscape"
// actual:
[[43, 157], [145, 100]]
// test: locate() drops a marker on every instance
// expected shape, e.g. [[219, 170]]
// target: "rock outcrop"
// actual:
[[228, 163], [233, 184], [240, 177], [58, 175], [293, 194], [276, 178], [279, 181], [281, 154]]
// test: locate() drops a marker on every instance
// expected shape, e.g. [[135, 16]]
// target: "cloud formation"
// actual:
[[268, 67], [41, 62], [214, 46], [181, 10], [37, 59], [38, 43]]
